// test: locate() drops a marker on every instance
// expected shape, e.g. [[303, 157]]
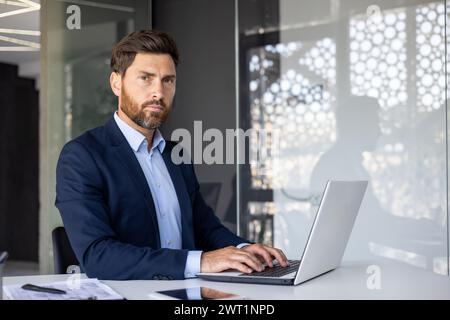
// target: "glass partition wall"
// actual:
[[329, 89], [345, 90], [77, 38]]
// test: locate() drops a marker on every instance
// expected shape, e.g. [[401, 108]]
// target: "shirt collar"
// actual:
[[136, 139]]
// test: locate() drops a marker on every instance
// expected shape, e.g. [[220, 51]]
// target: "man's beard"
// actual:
[[147, 120]]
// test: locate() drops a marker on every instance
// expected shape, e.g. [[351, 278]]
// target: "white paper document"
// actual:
[[81, 289]]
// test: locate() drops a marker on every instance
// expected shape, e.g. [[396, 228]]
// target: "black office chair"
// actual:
[[63, 255]]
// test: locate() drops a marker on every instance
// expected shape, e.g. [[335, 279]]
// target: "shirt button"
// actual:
[[169, 242], [158, 184]]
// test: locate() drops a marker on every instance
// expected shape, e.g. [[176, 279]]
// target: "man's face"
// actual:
[[147, 89]]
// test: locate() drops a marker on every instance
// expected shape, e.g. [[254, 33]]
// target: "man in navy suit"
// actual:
[[129, 211]]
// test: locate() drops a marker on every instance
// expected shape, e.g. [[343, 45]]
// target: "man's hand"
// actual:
[[245, 260], [267, 254]]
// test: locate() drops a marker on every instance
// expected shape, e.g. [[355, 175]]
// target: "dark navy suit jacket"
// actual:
[[109, 215]]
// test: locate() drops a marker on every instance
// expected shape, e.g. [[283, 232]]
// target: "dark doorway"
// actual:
[[19, 165]]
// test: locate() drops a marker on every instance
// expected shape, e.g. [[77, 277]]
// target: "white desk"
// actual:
[[397, 281]]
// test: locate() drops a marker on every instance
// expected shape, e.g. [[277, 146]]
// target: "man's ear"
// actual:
[[115, 80]]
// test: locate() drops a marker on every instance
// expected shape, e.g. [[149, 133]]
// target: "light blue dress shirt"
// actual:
[[163, 192]]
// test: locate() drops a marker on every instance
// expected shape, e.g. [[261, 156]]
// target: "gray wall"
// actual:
[[204, 32]]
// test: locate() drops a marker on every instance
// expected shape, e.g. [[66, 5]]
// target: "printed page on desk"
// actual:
[[79, 289]]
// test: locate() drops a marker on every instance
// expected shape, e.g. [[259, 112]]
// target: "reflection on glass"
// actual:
[[88, 101], [358, 96]]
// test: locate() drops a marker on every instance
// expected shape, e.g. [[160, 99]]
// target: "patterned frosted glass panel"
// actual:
[[378, 57], [355, 90]]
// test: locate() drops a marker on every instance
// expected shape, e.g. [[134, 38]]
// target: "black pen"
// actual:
[[33, 287]]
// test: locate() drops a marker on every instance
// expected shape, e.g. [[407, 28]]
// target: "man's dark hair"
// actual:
[[144, 41]]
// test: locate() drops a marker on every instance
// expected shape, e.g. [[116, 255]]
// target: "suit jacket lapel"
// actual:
[[187, 232], [133, 168]]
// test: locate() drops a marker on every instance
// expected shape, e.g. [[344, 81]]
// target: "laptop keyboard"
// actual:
[[275, 271]]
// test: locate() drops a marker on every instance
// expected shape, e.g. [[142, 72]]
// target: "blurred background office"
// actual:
[[343, 89]]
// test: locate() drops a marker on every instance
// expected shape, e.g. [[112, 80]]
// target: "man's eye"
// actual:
[[145, 78], [170, 80]]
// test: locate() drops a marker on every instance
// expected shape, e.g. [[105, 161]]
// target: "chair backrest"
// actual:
[[63, 254]]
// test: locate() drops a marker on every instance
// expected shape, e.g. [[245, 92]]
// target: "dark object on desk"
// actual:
[[63, 255], [33, 287], [211, 192], [3, 257]]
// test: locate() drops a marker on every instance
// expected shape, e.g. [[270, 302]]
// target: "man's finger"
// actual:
[[262, 252], [249, 259], [234, 264], [279, 255]]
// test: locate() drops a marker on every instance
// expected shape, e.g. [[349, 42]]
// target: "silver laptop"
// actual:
[[326, 242]]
